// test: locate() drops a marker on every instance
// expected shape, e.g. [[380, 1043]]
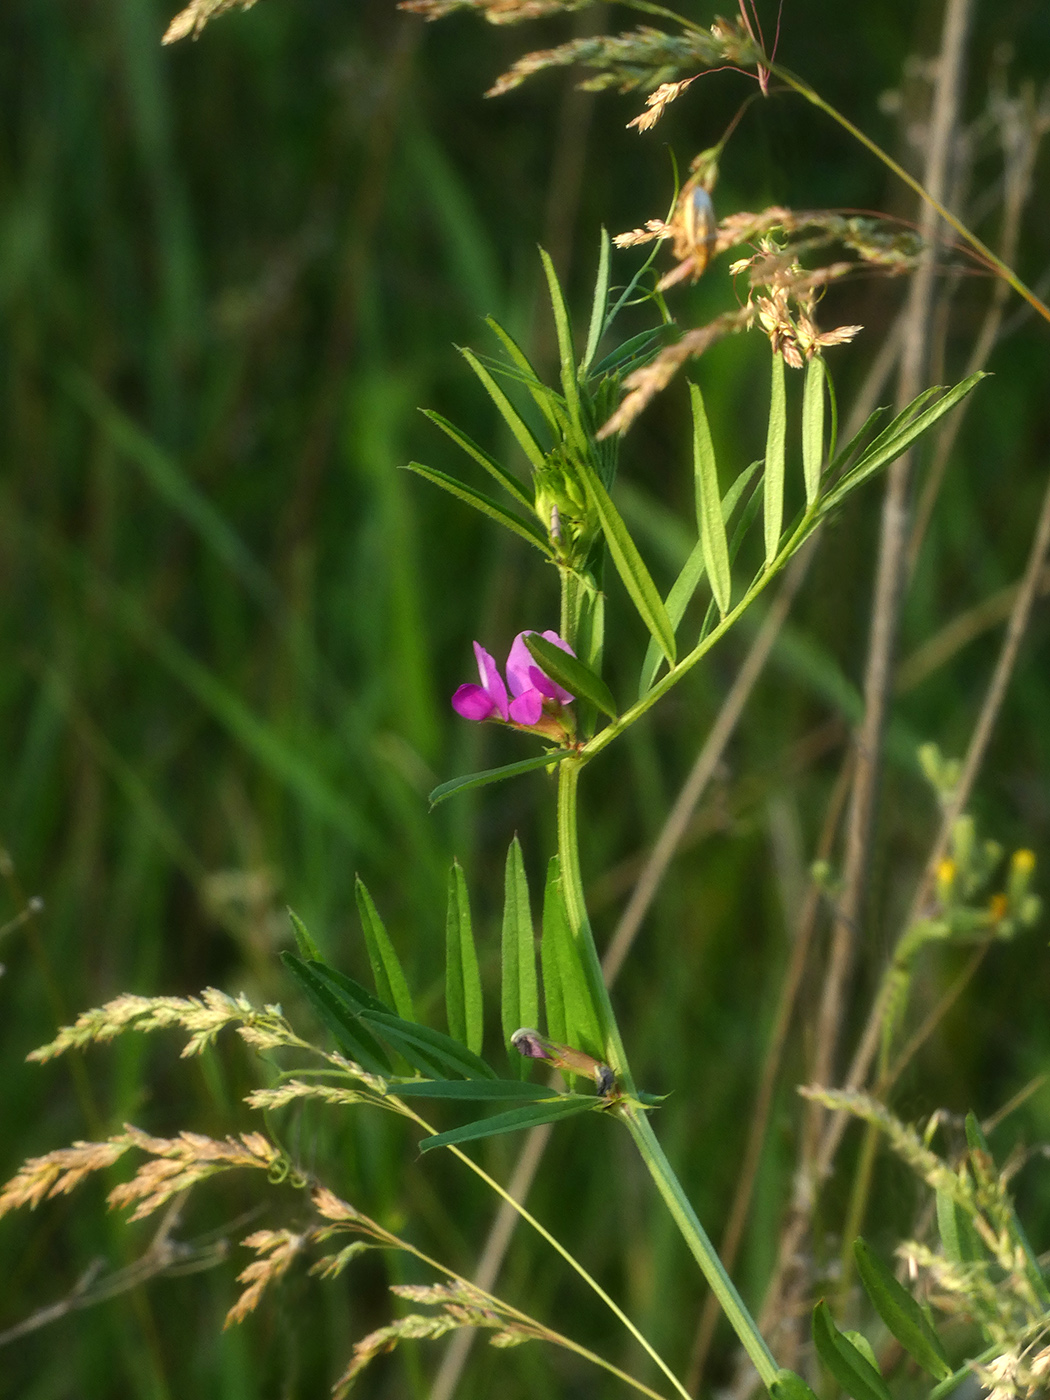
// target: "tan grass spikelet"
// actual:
[[176, 1164], [196, 15], [657, 103], [276, 1249], [59, 1172]]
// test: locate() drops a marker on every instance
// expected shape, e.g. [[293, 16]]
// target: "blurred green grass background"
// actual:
[[229, 273]]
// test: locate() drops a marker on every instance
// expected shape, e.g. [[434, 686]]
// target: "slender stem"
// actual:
[[1005, 272], [645, 1139], [700, 1246]]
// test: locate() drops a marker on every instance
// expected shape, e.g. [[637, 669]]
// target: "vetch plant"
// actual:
[[552, 688]]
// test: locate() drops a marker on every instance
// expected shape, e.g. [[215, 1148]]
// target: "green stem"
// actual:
[[1005, 272], [703, 1251], [638, 1125]]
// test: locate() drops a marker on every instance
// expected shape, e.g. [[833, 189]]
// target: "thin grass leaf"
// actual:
[[528, 530], [513, 419], [813, 427], [485, 1090], [506, 479], [541, 394], [308, 949], [709, 505], [901, 1313], [553, 998], [632, 350], [776, 440], [598, 304], [463, 1003], [892, 443], [353, 1039], [519, 1004], [853, 1371], [494, 775], [425, 1048], [566, 351], [582, 1026], [571, 674], [515, 1120], [629, 564], [391, 984]]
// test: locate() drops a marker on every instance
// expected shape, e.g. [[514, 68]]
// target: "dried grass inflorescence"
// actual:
[[204, 1017], [196, 15], [999, 1286]]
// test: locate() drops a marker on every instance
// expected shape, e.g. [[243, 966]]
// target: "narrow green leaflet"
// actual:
[[813, 427], [638, 347], [566, 352], [787, 1385], [391, 985], [506, 479], [486, 1090], [425, 1049], [598, 305], [776, 440], [890, 446], [709, 505], [960, 1240], [527, 530], [579, 680], [515, 1120], [304, 942], [495, 775], [353, 1039], [901, 1313], [542, 396], [979, 1143], [520, 998], [463, 1003], [853, 1371], [629, 564], [688, 581], [509, 413], [582, 1027]]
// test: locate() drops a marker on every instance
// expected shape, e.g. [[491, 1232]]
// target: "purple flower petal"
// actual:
[[491, 680], [471, 702], [527, 707], [523, 674]]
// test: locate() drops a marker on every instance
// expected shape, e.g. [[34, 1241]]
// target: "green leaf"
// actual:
[[689, 580], [489, 1090], [598, 304], [709, 505], [786, 1385], [901, 1313], [854, 1373], [520, 1000], [506, 479], [635, 348], [776, 439], [542, 397], [509, 413], [582, 1028], [527, 530], [494, 775], [813, 427], [426, 1049], [391, 985], [514, 1120], [960, 1240], [629, 564], [979, 1143], [306, 945], [566, 351], [463, 1003], [352, 1038], [896, 440], [571, 674]]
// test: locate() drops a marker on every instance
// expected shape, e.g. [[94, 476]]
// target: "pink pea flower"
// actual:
[[530, 687]]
